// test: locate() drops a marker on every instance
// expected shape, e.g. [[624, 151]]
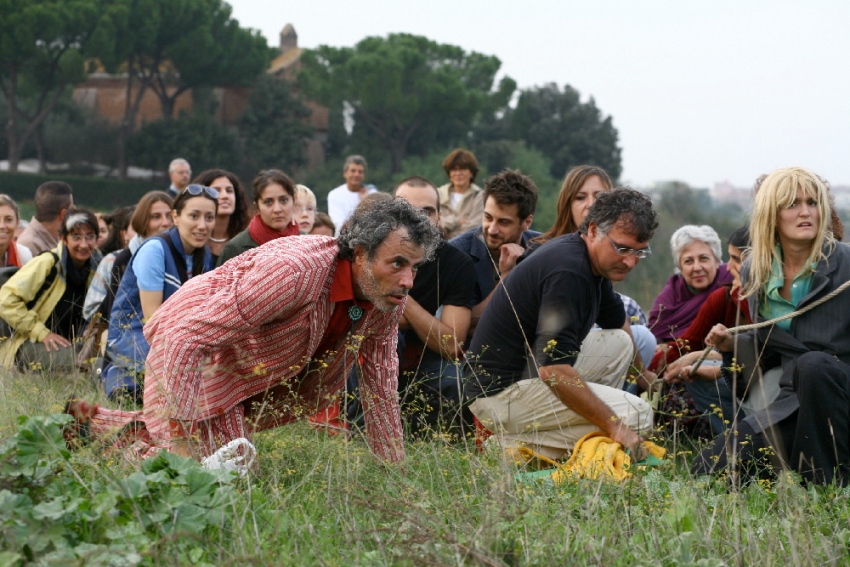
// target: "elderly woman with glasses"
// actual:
[[699, 271], [158, 268], [42, 304]]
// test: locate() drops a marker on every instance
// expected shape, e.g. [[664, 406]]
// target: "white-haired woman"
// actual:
[[793, 262], [699, 271]]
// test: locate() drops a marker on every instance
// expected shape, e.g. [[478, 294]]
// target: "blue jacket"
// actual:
[[126, 345], [472, 242]]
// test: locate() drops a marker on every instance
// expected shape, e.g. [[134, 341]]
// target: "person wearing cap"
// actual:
[[42, 304]]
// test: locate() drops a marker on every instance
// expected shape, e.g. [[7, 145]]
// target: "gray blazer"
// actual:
[[825, 328]]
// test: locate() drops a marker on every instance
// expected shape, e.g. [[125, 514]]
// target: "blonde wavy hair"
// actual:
[[778, 191]]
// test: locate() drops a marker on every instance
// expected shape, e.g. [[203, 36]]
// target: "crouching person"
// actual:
[[538, 376], [270, 336], [42, 304]]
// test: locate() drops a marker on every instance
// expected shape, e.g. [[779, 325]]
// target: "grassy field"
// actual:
[[319, 500]]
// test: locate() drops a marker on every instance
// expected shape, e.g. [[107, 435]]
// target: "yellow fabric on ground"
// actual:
[[595, 456]]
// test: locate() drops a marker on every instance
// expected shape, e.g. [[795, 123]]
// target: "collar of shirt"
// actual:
[[800, 287], [774, 304], [342, 287]]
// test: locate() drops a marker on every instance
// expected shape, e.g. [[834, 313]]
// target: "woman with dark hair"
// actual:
[[12, 254], [232, 217], [274, 199], [461, 200], [151, 216], [43, 302], [794, 261], [118, 236], [579, 190], [158, 268], [102, 228]]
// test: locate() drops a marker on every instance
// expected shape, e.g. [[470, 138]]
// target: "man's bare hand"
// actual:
[[630, 441], [508, 255]]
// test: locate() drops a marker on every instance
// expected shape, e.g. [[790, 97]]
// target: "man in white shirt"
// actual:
[[344, 199]]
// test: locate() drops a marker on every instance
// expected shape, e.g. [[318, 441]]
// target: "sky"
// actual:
[[699, 92]]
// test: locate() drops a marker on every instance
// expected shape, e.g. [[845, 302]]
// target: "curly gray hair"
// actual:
[[690, 233], [370, 225]]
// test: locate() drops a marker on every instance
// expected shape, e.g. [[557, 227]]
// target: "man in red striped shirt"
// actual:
[[270, 336]]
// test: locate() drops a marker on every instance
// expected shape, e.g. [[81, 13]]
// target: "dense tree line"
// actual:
[[400, 100]]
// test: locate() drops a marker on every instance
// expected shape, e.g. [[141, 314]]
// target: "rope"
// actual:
[[769, 322]]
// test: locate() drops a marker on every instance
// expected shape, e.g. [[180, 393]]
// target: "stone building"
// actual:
[[105, 95]]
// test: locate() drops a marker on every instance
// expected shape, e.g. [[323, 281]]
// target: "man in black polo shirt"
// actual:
[[538, 376], [434, 325]]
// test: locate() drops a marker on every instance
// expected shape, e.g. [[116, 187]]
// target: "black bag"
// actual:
[[7, 273]]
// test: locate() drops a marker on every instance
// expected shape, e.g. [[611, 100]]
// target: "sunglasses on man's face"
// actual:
[[195, 190]]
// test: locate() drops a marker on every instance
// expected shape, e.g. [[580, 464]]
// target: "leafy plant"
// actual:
[[50, 514]]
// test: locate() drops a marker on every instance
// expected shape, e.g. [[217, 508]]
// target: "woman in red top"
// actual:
[[274, 198], [12, 254]]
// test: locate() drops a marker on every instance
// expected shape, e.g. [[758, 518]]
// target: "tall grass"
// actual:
[[319, 500]]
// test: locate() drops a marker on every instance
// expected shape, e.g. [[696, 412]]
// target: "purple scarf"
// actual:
[[676, 306]]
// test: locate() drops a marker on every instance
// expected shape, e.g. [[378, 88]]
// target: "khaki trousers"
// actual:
[[528, 413]]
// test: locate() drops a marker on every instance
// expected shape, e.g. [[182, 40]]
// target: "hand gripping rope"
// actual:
[[742, 328]]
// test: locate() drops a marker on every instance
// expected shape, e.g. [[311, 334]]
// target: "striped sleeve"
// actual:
[[379, 390]]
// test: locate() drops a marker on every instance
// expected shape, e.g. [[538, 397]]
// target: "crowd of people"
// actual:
[[435, 308]]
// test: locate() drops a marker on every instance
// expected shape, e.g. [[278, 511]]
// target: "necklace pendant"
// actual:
[[355, 312]]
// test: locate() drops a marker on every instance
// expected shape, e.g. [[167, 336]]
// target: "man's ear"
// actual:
[[592, 231], [360, 255], [62, 214], [526, 224]]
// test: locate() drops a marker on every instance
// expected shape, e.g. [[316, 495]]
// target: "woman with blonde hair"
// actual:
[[801, 404], [304, 210]]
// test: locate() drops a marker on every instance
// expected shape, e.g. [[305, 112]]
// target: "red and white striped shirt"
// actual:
[[256, 323]]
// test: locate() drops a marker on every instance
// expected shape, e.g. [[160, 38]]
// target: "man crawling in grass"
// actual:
[[269, 337], [539, 376]]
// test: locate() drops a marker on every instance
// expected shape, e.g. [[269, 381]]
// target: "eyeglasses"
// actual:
[[626, 251], [195, 190], [77, 237]]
